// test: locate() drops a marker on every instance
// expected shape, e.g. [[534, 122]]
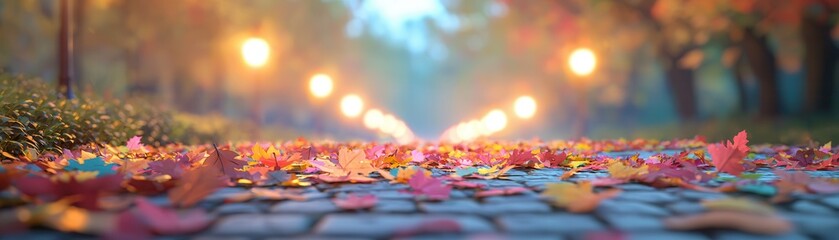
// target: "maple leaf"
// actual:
[[551, 159], [352, 166], [134, 143], [168, 166], [225, 162], [622, 171], [260, 153], [520, 157], [169, 222], [356, 202], [429, 187], [417, 156], [96, 164], [742, 221], [577, 198], [194, 186], [738, 204], [278, 164], [88, 191], [728, 157]]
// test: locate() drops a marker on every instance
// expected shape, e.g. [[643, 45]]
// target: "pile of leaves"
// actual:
[[110, 185], [35, 119]]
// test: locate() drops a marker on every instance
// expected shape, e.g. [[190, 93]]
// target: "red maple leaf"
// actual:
[[728, 157], [87, 191], [194, 186], [225, 162]]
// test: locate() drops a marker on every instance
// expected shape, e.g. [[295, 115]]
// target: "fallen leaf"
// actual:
[[741, 221], [728, 157], [194, 186], [501, 192], [170, 222], [356, 202], [738, 204], [429, 187], [134, 143], [225, 162], [576, 198]]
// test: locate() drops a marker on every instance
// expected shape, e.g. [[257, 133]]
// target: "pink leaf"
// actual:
[[355, 202], [429, 187], [134, 143]]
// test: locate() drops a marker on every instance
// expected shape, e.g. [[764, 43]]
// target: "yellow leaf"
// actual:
[[738, 204], [576, 198], [620, 171]]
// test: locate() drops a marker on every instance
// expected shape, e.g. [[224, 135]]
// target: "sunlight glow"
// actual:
[[320, 85], [255, 52], [582, 61], [352, 105], [494, 121], [373, 118], [525, 107]]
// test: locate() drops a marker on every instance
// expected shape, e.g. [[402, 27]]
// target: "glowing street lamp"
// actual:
[[352, 105], [582, 61], [525, 107], [320, 85], [373, 118], [494, 121], [255, 52]]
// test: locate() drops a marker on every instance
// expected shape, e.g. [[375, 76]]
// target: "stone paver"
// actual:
[[634, 222], [262, 224], [311, 207], [627, 207], [556, 223], [384, 225]]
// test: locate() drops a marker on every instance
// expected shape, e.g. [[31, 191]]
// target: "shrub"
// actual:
[[33, 116]]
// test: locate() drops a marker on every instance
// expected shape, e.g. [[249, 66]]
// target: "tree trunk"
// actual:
[[65, 50], [680, 80], [740, 82], [819, 62], [763, 66]]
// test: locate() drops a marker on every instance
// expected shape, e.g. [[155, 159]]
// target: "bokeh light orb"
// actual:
[[389, 124], [494, 121], [582, 61], [373, 118], [525, 107], [352, 105], [320, 85], [255, 52]]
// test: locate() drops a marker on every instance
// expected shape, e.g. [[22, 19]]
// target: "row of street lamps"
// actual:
[[582, 62], [256, 53]]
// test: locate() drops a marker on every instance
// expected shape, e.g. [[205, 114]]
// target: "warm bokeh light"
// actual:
[[494, 121], [352, 105], [320, 85], [256, 51], [373, 118], [525, 107], [582, 61], [389, 124]]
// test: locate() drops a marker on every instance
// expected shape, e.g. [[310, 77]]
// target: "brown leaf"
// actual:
[[746, 222], [194, 186]]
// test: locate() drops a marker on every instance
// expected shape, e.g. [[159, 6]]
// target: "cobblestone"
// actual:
[[262, 225], [384, 225], [555, 223]]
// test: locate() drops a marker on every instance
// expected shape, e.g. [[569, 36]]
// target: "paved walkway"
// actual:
[[636, 213]]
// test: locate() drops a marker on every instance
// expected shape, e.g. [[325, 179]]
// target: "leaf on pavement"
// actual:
[[728, 157], [194, 186], [576, 198], [356, 202]]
